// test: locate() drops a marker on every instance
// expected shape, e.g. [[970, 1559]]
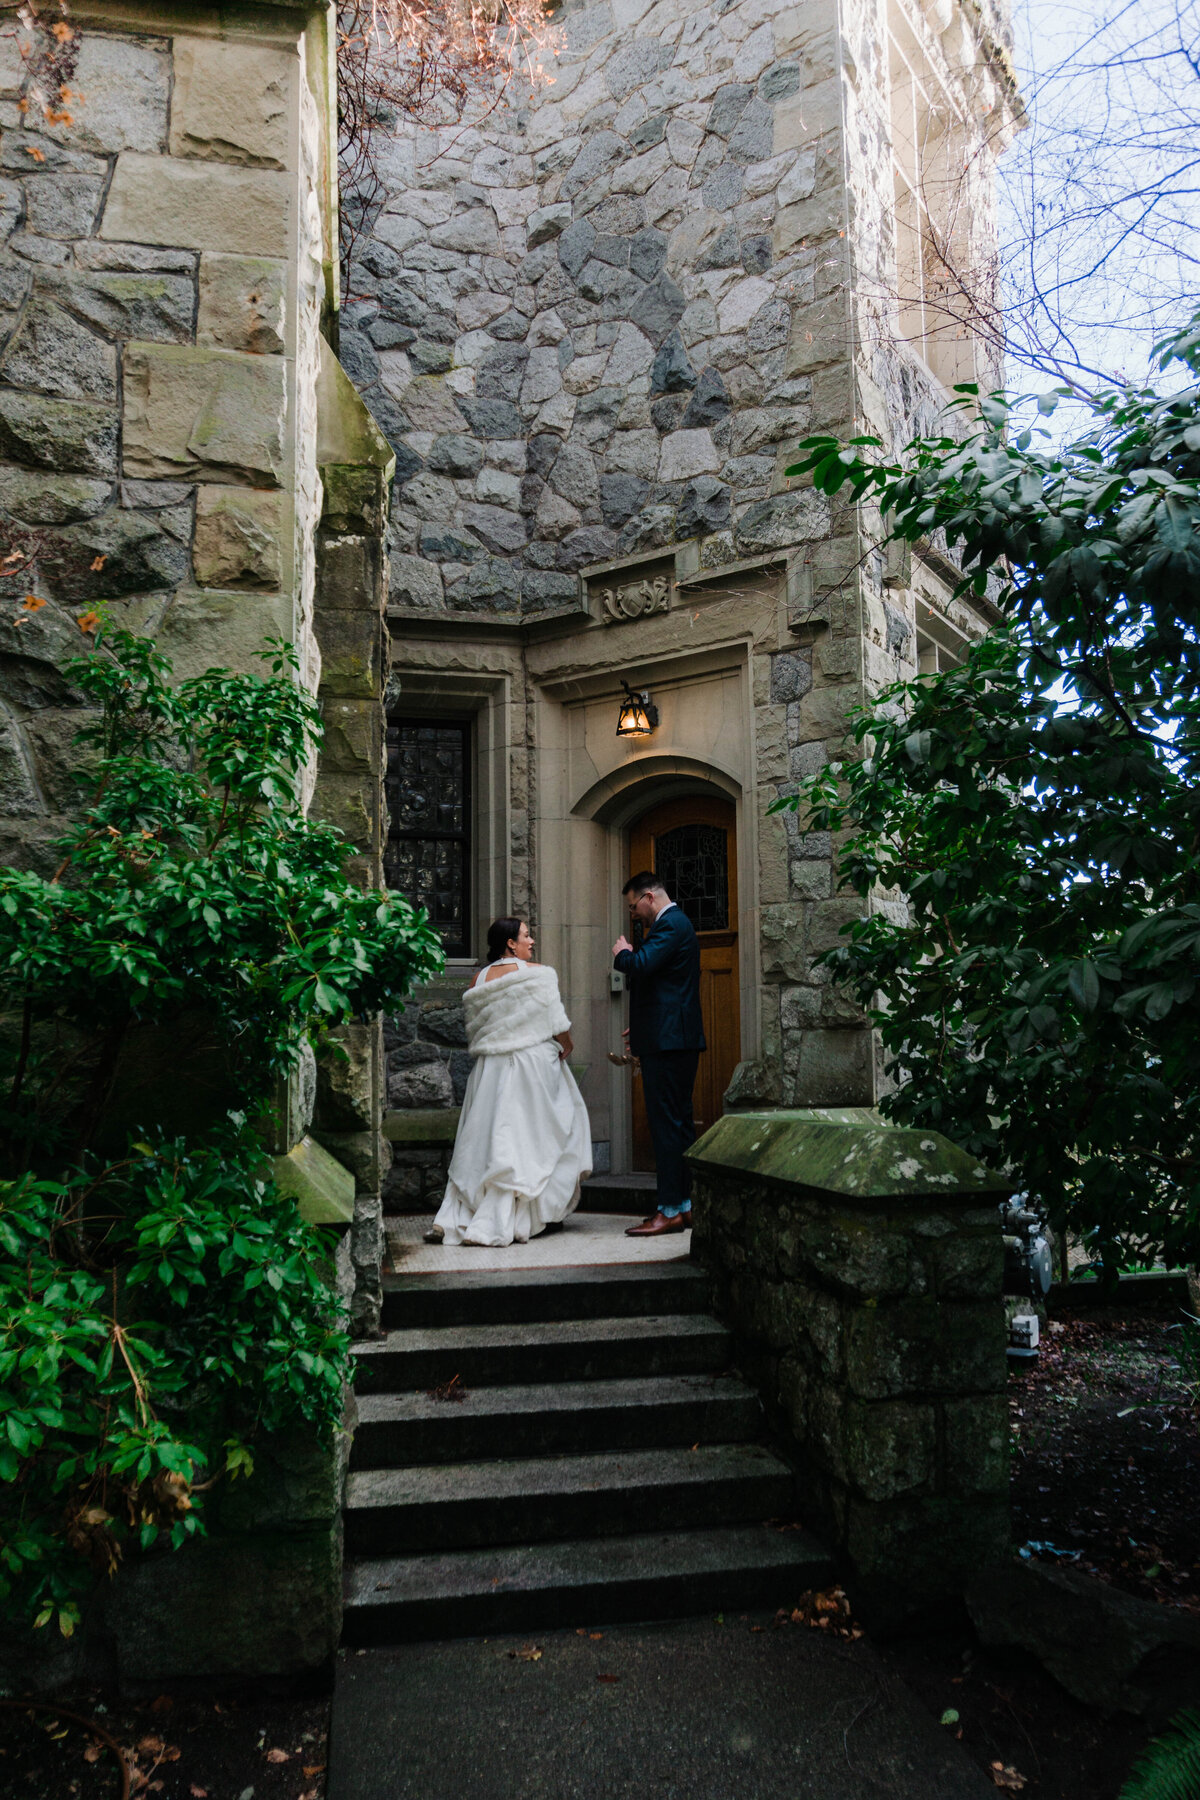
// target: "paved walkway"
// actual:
[[697, 1710], [586, 1239]]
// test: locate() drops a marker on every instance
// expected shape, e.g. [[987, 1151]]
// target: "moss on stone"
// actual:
[[845, 1151]]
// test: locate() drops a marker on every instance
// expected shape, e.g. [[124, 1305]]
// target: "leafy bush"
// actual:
[[160, 1303], [1026, 825]]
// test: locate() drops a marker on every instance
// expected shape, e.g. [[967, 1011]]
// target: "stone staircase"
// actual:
[[559, 1447]]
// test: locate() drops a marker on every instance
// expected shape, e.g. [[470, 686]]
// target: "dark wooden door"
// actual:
[[692, 846]]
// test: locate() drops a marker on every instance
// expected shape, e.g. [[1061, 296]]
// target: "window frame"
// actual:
[[397, 718]]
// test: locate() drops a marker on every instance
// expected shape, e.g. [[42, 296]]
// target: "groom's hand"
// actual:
[[622, 943]]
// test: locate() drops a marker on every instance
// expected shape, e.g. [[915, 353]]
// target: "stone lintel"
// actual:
[[847, 1154]]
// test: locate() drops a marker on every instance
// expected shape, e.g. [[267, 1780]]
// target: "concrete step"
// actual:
[[598, 1581], [536, 1500], [564, 1350], [619, 1290], [619, 1194], [395, 1430]]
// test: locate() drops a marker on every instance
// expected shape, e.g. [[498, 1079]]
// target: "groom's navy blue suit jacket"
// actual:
[[664, 987]]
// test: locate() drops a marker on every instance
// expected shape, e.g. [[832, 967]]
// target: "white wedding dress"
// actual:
[[524, 1138]]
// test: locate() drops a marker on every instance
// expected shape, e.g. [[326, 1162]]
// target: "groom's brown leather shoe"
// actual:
[[658, 1226]]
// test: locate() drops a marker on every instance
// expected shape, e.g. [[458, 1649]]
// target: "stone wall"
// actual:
[[593, 327], [181, 454], [164, 274], [860, 1268]]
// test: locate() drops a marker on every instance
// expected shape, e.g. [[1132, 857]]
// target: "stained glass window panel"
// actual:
[[429, 810], [692, 862]]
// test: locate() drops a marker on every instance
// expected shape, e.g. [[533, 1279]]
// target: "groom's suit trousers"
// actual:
[[668, 1077]]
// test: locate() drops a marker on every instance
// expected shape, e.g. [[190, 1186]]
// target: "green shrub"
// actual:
[[160, 1302]]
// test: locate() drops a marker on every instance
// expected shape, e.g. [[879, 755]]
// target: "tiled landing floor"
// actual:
[[585, 1239]]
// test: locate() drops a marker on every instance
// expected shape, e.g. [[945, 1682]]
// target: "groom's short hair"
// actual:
[[646, 882]]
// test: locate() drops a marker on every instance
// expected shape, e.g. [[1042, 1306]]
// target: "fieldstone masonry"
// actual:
[[593, 329], [860, 1267]]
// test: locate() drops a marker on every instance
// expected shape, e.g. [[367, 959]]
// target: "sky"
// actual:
[[1100, 196]]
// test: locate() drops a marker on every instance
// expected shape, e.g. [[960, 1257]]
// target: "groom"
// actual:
[[666, 1033]]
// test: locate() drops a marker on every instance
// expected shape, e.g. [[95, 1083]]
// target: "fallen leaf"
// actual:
[[449, 1390], [608, 1678], [198, 1793], [527, 1653], [595, 1636], [1006, 1777], [151, 1746], [314, 1768], [949, 1717], [164, 1703], [277, 1756], [93, 1753]]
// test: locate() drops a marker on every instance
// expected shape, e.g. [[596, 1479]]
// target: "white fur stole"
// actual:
[[514, 1012]]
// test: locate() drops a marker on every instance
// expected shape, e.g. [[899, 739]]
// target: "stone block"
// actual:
[[353, 740], [421, 1127], [783, 951], [241, 303], [62, 206], [346, 1079], [195, 411], [834, 1068], [926, 1347], [155, 304], [1107, 1648], [53, 354], [122, 87], [365, 1153], [413, 582], [203, 627], [238, 538], [115, 552], [232, 101], [975, 1445], [39, 499], [889, 1448], [420, 1085], [350, 653], [164, 200], [350, 803], [261, 1604], [911, 1552]]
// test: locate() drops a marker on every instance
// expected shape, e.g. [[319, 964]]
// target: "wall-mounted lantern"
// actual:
[[638, 716]]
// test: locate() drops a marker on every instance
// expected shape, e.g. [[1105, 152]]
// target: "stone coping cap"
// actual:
[[423, 1125], [321, 1186], [844, 1151]]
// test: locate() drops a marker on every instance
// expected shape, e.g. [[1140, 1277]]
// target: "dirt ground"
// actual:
[[177, 1749], [1106, 1478]]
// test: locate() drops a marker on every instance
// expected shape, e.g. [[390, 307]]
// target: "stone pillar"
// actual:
[[356, 468], [860, 1268]]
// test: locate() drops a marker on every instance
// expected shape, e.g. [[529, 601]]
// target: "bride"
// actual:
[[524, 1140]]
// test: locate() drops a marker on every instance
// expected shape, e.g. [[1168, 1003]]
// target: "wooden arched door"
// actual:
[[691, 845]]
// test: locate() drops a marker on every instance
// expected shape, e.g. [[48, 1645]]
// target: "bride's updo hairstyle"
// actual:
[[500, 933]]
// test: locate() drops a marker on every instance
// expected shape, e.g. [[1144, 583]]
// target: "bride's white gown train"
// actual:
[[524, 1138]]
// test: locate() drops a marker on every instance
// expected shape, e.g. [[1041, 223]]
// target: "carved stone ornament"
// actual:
[[635, 600]]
